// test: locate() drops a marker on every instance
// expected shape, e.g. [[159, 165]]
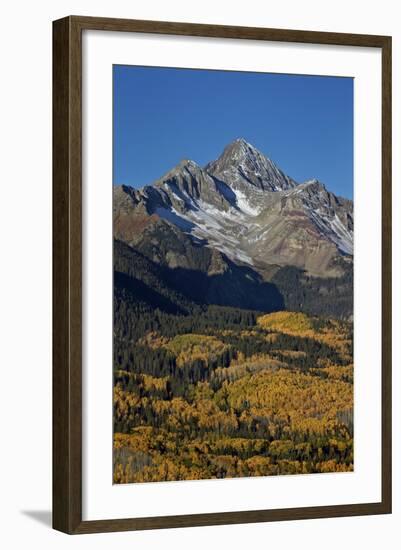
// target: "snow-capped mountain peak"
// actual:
[[244, 206], [241, 166]]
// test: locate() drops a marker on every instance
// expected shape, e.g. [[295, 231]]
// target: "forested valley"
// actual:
[[207, 391]]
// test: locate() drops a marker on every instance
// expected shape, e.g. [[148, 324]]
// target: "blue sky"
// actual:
[[161, 116]]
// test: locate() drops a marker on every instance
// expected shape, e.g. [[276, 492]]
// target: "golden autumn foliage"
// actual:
[[286, 321], [274, 399], [244, 366], [285, 394], [190, 347], [333, 332], [153, 340]]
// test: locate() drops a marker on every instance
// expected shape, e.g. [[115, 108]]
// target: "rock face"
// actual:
[[245, 210], [242, 165]]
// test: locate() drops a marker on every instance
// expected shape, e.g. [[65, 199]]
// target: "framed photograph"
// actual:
[[222, 275]]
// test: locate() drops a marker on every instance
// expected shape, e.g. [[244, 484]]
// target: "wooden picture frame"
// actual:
[[67, 274]]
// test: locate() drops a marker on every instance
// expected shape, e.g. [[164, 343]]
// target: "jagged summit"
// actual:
[[189, 164], [184, 166], [240, 149], [188, 184], [241, 165], [244, 206], [242, 142]]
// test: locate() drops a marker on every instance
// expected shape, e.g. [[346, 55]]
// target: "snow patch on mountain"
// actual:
[[244, 205], [171, 215], [335, 230], [343, 237]]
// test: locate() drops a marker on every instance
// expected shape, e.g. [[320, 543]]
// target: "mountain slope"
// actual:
[[208, 277], [241, 165], [244, 206]]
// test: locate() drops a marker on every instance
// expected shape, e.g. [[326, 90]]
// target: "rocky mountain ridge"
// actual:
[[243, 206]]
